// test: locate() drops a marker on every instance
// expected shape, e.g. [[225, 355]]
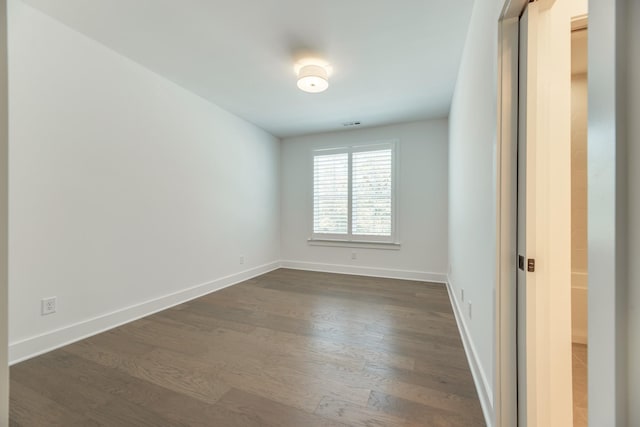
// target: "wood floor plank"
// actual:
[[121, 412], [362, 298], [288, 348], [272, 303], [283, 385], [186, 319], [92, 375], [357, 416], [31, 408], [262, 412], [422, 414], [185, 378], [150, 333], [453, 381], [68, 393]]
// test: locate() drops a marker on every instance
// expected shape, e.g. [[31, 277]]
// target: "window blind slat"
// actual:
[[371, 193], [331, 193]]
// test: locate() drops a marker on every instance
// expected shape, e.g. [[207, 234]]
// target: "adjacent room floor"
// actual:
[[580, 388], [289, 348]]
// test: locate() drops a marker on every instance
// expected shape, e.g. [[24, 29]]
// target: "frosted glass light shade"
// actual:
[[313, 79]]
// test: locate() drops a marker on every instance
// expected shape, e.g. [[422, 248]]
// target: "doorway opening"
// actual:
[[579, 241]]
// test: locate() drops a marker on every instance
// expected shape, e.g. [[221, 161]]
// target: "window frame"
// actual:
[[348, 239]]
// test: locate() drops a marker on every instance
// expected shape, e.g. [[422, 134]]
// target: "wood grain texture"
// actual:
[[289, 348], [580, 385]]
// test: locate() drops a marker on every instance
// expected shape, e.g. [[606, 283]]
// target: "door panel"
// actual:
[[544, 216], [521, 240], [526, 351]]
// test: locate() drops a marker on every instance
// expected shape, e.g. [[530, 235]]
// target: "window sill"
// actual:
[[395, 246]]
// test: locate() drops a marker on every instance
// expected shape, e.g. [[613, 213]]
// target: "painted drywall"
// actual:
[[472, 187], [609, 230], [4, 198], [607, 208], [633, 143], [579, 277], [124, 188], [422, 203]]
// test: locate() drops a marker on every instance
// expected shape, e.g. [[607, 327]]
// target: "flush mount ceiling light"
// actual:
[[313, 78]]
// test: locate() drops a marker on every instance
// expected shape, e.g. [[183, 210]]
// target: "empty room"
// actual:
[[295, 213]]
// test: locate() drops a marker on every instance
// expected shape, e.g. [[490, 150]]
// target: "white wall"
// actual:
[[633, 144], [4, 317], [422, 192], [472, 186], [608, 227], [125, 189]]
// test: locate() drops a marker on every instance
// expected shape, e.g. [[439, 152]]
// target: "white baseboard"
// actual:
[[485, 392], [34, 346], [422, 276]]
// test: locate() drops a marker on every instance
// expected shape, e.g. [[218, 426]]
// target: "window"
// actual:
[[353, 193]]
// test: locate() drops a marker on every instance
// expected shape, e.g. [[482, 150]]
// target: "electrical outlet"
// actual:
[[48, 306], [354, 255], [462, 294], [470, 312], [241, 259]]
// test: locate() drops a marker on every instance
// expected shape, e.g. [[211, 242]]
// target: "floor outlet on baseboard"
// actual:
[[469, 309], [241, 259], [48, 306]]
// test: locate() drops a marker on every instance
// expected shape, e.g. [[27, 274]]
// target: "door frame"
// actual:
[[549, 343], [506, 374], [4, 219]]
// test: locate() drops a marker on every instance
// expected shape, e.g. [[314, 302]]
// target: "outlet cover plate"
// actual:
[[48, 306]]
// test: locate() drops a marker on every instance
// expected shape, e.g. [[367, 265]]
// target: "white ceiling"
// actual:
[[393, 60]]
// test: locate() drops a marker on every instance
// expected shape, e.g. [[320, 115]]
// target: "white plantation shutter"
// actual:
[[354, 194], [331, 193], [371, 192]]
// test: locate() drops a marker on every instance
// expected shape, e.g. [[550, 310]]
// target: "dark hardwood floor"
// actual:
[[289, 348]]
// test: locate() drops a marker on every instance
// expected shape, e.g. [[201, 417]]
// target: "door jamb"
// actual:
[[4, 214], [506, 341], [505, 390]]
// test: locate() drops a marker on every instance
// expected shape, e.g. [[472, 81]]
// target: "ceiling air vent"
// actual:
[[348, 124]]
